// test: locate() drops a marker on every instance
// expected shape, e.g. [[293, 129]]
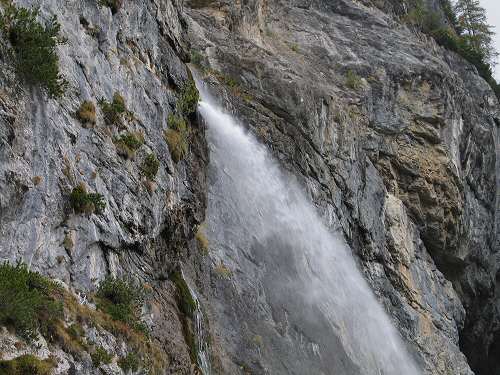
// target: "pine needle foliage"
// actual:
[[34, 46]]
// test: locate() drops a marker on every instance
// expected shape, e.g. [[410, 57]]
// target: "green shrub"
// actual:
[[150, 166], [114, 5], [86, 113], [352, 80], [28, 302], [34, 46], [114, 111], [188, 100], [177, 136], [446, 37], [128, 143], [100, 355], [27, 365], [122, 300], [131, 362], [83, 202]]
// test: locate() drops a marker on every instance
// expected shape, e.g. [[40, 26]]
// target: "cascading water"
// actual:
[[202, 348], [311, 305]]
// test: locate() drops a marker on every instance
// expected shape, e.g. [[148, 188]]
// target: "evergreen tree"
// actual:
[[473, 26]]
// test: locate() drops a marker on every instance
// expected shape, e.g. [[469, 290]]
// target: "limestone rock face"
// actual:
[[45, 151], [394, 139]]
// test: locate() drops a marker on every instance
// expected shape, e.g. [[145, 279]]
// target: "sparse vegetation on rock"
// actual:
[[100, 355], [177, 136], [127, 144], [131, 362], [84, 202], [188, 99], [353, 80], [122, 300], [86, 113], [113, 111], [150, 166]]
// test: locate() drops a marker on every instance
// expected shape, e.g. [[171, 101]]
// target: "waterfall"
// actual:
[[261, 222]]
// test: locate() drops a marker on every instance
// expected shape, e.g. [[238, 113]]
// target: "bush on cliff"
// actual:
[[29, 302], [122, 300], [113, 111], [35, 48], [88, 203]]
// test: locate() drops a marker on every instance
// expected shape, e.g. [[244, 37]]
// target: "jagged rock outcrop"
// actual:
[[393, 134]]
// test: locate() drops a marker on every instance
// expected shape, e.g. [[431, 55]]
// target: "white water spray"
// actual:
[[314, 266]]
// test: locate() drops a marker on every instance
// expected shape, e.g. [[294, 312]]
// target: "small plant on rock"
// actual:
[[128, 144], [35, 48], [196, 58], [202, 239], [86, 114], [84, 202], [150, 166], [177, 136], [113, 112]]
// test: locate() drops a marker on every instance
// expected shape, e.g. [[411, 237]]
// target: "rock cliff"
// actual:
[[394, 138]]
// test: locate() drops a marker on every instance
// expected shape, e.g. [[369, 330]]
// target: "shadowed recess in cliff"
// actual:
[[314, 312]]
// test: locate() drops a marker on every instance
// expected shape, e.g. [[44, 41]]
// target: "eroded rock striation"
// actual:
[[394, 138]]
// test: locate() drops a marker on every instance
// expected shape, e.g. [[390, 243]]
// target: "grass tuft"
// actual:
[[86, 113], [177, 136]]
